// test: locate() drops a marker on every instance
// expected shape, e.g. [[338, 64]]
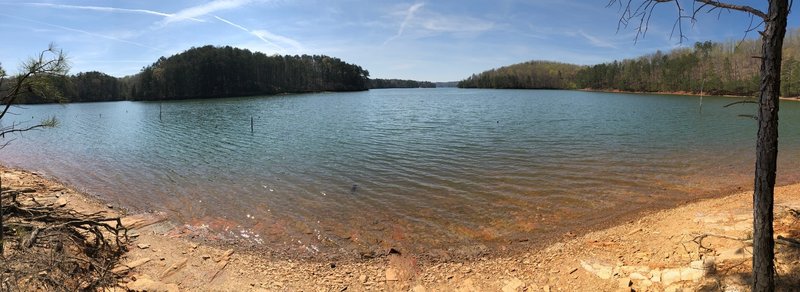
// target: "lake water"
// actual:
[[434, 171]]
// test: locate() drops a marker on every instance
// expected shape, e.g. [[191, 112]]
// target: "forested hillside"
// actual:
[[528, 75], [399, 83], [225, 71], [711, 68], [208, 72]]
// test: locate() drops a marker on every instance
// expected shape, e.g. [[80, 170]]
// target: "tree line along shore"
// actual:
[[211, 72], [714, 68], [721, 68]]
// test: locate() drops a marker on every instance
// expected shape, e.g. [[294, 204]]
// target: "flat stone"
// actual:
[[391, 275], [604, 274], [513, 285], [205, 257], [129, 266], [669, 276], [174, 268], [655, 276], [637, 276], [143, 246], [61, 202], [690, 274], [625, 282], [602, 271], [588, 267]]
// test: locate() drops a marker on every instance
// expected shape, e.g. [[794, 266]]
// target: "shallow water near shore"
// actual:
[[434, 170]]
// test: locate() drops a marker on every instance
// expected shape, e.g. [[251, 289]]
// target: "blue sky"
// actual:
[[425, 40]]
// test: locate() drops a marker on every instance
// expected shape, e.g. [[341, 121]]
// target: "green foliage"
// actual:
[[707, 67], [528, 75], [399, 83], [39, 76], [50, 122], [225, 71]]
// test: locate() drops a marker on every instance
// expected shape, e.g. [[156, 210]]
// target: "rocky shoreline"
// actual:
[[697, 246]]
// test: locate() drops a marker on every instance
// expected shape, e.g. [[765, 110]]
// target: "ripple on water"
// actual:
[[433, 169]]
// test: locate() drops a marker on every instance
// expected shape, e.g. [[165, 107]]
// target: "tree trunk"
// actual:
[[767, 146], [2, 228]]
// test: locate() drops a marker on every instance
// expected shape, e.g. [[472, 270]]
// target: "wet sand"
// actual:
[[653, 251]]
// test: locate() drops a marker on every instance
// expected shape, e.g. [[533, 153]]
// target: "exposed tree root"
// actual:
[[51, 248]]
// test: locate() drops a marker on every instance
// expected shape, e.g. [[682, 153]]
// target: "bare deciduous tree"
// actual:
[[35, 78], [773, 23]]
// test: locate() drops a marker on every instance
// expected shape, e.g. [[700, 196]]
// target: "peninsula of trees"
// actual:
[[210, 72], [710, 68]]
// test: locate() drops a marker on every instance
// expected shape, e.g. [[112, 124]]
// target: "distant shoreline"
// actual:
[[679, 93]]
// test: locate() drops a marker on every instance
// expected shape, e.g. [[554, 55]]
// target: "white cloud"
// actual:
[[420, 22], [267, 37], [443, 23], [409, 14], [201, 10], [264, 34], [83, 32], [106, 9], [597, 42]]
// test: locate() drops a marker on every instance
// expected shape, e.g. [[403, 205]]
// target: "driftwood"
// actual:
[[56, 249]]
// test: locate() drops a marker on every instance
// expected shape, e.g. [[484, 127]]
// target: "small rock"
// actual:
[[130, 265], [194, 245], [513, 285], [143, 246], [625, 282], [26, 190], [110, 206], [690, 274], [655, 276], [669, 276], [637, 276], [362, 279], [391, 275], [61, 202], [205, 257], [546, 288], [602, 271], [646, 283]]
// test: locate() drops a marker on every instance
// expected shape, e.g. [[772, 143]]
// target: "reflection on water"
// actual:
[[426, 169]]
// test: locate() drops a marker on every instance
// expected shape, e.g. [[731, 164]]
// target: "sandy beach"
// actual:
[[699, 246]]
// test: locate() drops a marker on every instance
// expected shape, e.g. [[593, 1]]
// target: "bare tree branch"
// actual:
[[641, 14]]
